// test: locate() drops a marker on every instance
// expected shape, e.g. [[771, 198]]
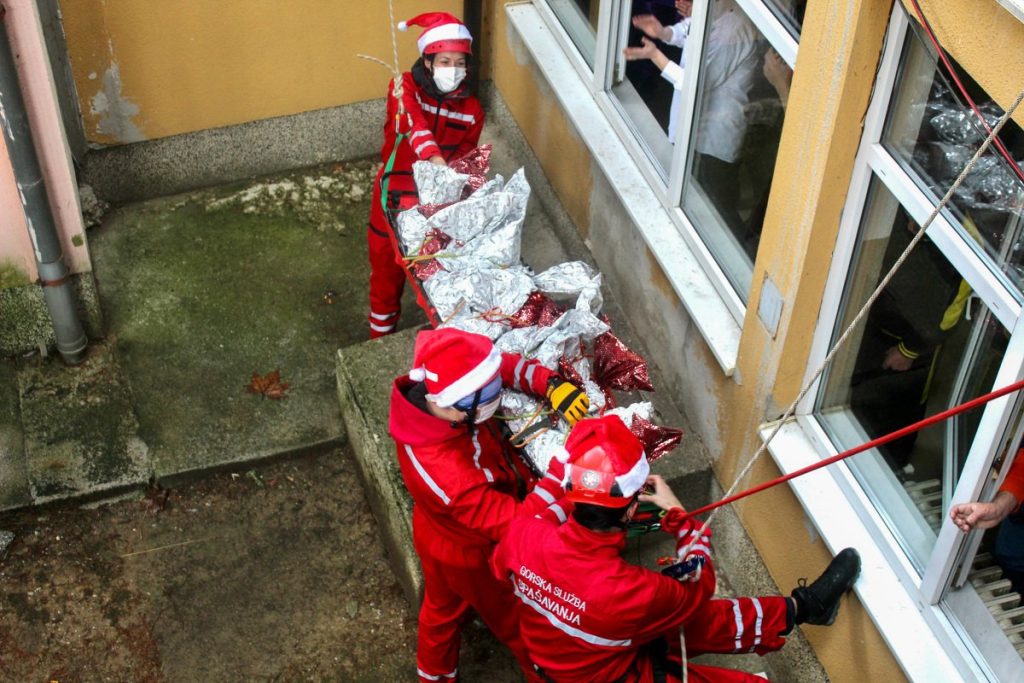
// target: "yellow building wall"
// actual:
[[840, 48], [986, 40], [146, 70]]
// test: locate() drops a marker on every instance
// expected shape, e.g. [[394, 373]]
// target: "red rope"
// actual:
[[891, 436], [963, 91]]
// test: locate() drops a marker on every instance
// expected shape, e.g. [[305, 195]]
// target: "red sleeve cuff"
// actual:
[[675, 520]]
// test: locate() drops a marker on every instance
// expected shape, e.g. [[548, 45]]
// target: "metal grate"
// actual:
[[985, 576]]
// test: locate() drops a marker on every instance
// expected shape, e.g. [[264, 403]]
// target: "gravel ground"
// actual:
[[267, 574]]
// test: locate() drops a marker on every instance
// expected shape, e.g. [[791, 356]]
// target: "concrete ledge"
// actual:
[[365, 372], [180, 163]]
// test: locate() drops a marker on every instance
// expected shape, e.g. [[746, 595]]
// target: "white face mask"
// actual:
[[448, 78], [487, 410]]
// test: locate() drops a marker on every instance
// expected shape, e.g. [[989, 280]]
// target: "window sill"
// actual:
[[920, 636], [703, 303]]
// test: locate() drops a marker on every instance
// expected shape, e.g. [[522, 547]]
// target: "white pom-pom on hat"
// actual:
[[418, 374], [402, 26]]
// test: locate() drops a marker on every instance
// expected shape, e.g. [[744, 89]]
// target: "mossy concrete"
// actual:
[[364, 375], [81, 435], [26, 324], [204, 289], [14, 487]]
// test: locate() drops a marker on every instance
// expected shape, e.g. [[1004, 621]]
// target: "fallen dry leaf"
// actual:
[[269, 385]]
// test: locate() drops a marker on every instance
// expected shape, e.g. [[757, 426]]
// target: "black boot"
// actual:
[[819, 603]]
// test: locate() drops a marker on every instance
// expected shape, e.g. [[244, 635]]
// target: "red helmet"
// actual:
[[606, 463], [443, 32]]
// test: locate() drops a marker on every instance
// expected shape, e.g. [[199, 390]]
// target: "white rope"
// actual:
[[394, 68], [863, 311]]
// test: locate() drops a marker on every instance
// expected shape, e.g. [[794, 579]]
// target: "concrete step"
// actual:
[[364, 374], [80, 433]]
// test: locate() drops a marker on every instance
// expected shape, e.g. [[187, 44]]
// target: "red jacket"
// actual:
[[449, 127], [1014, 482], [463, 487], [587, 611]]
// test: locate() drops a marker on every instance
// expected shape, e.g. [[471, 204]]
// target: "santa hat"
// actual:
[[606, 462], [453, 364], [443, 33]]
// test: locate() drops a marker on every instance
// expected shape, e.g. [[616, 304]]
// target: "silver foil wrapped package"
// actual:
[[596, 395], [565, 278], [438, 184], [548, 344], [643, 409], [503, 290], [474, 216], [501, 245], [412, 228], [523, 411], [574, 278], [470, 322]]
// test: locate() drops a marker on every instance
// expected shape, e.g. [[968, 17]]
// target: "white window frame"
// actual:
[[910, 608], [668, 190]]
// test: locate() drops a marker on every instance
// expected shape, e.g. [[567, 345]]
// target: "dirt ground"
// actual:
[[267, 574]]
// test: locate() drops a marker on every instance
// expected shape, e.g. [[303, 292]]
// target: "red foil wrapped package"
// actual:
[[433, 242], [568, 372], [617, 367], [539, 310], [429, 210], [476, 164], [657, 440]]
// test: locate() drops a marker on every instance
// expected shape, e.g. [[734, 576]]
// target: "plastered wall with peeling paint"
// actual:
[[146, 70]]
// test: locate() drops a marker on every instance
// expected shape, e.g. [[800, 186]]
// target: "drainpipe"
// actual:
[[54, 275], [472, 18]]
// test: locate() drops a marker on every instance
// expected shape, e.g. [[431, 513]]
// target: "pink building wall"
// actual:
[[25, 32]]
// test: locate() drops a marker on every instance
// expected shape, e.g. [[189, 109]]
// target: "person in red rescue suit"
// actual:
[[443, 122], [586, 615], [463, 484]]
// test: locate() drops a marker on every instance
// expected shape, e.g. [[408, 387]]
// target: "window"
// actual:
[[698, 92], [947, 328], [579, 19], [742, 94]]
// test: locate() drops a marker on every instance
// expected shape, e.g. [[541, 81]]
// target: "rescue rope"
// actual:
[[860, 315], [880, 441]]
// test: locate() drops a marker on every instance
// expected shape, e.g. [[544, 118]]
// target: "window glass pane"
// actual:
[[933, 133], [742, 94], [648, 95], [579, 19], [925, 346], [790, 13]]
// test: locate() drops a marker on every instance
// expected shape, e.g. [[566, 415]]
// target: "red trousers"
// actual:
[[449, 594], [731, 625], [387, 275]]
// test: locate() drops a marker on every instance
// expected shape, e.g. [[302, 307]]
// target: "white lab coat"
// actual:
[[730, 63]]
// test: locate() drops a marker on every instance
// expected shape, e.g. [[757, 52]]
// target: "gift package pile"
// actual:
[[463, 243]]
